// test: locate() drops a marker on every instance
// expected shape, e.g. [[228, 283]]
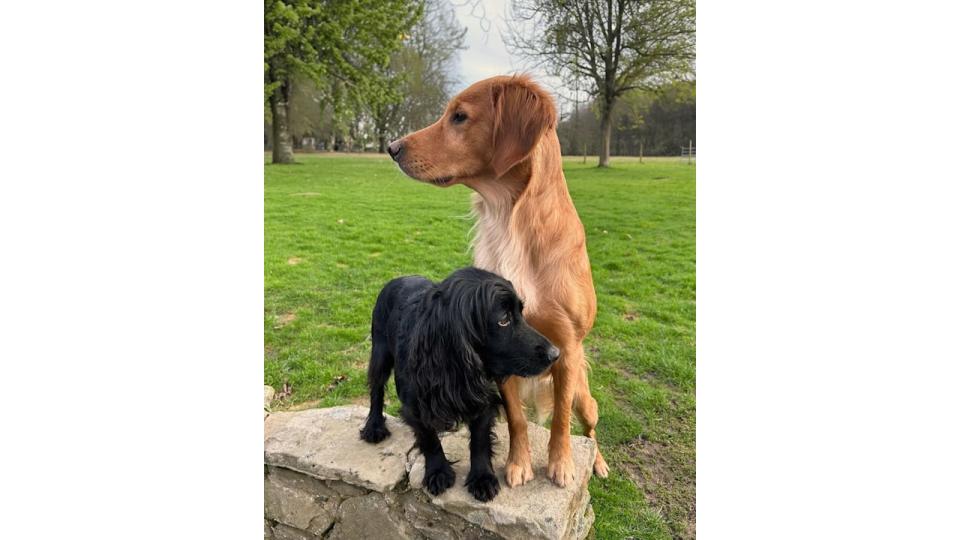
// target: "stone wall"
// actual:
[[322, 481]]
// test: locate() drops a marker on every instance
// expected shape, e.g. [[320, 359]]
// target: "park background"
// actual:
[[624, 82], [343, 79]]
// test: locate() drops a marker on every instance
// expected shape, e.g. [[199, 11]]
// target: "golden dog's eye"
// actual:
[[504, 321], [459, 117]]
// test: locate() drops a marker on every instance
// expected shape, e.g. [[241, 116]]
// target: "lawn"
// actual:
[[338, 227]]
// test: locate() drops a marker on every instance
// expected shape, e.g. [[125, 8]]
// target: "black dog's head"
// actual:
[[470, 331], [491, 324], [508, 345]]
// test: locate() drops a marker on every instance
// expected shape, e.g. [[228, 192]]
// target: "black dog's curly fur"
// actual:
[[449, 343]]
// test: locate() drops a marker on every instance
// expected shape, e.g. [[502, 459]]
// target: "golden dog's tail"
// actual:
[[537, 396]]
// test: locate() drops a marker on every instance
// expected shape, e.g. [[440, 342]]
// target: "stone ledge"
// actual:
[[322, 481], [537, 509], [268, 394], [325, 444]]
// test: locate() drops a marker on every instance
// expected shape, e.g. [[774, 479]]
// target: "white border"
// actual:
[[827, 244]]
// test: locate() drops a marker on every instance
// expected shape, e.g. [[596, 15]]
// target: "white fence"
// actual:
[[689, 152]]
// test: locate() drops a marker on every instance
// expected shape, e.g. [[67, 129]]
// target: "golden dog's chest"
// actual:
[[496, 250]]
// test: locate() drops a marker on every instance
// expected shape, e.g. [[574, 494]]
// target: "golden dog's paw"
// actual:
[[561, 470], [518, 474], [600, 467]]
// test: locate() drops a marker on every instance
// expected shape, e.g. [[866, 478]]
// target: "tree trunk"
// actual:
[[605, 125], [282, 147], [383, 142]]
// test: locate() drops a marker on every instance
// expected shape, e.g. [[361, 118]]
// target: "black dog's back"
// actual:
[[395, 294], [384, 333]]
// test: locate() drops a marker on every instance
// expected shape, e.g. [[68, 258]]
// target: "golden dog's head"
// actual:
[[485, 131]]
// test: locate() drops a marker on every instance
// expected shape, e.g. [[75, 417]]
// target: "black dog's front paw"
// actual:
[[374, 432], [438, 480], [483, 486]]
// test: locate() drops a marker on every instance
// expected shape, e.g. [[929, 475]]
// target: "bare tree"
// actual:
[[615, 45]]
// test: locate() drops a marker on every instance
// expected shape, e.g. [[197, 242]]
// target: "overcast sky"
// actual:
[[487, 55]]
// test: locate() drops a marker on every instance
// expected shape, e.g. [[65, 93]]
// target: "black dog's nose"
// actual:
[[553, 353], [395, 149]]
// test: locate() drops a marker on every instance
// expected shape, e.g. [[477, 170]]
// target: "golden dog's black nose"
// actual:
[[395, 149]]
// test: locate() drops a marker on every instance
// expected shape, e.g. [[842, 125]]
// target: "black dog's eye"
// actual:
[[505, 321], [459, 117]]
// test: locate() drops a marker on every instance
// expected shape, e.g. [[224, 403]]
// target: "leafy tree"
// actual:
[[670, 118], [616, 45], [661, 120], [341, 43], [309, 111], [422, 71]]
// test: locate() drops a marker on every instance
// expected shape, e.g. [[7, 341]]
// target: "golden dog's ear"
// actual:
[[522, 113]]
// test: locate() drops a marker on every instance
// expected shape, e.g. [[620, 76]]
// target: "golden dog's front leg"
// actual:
[[560, 463], [519, 470]]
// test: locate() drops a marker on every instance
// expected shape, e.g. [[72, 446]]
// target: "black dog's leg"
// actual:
[[482, 482], [438, 475], [381, 363]]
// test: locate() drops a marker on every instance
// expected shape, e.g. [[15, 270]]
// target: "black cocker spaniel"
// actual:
[[449, 343]]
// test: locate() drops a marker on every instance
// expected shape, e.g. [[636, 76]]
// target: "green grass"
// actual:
[[338, 228]]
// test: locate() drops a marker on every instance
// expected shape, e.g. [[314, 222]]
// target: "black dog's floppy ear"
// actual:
[[448, 372]]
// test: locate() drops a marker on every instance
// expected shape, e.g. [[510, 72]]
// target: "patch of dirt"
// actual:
[[285, 319], [649, 467], [363, 400], [667, 485], [631, 316], [294, 261], [304, 405]]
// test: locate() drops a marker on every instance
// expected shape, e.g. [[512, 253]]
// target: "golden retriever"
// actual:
[[498, 137]]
